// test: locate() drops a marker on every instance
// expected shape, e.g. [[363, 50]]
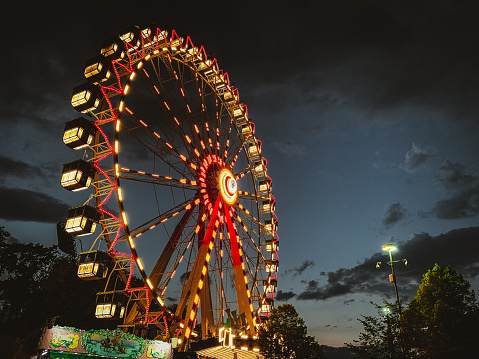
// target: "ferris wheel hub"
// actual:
[[227, 186]]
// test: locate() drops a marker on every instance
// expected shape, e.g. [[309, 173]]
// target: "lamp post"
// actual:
[[392, 277]]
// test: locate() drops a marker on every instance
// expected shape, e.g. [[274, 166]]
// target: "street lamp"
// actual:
[[392, 277]]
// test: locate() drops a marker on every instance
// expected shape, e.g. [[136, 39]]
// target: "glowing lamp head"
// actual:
[[389, 248], [228, 186]]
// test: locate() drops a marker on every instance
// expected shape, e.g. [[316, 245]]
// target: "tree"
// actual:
[[442, 319], [380, 337], [284, 336], [22, 268], [38, 284]]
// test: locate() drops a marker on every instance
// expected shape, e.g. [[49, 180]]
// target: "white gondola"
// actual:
[[259, 167], [86, 97], [271, 287], [79, 133], [254, 148], [97, 70], [264, 185], [272, 266], [271, 225], [77, 175], [82, 220], [110, 305], [272, 245]]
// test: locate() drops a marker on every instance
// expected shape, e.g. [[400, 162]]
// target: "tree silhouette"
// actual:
[[39, 285], [441, 321], [285, 336], [380, 336]]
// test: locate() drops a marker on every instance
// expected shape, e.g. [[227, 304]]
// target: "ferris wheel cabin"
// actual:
[[86, 97], [110, 305], [97, 70], [82, 220], [78, 133], [77, 175], [93, 265]]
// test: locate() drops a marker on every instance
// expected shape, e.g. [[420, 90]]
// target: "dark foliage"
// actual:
[[285, 336], [39, 285], [441, 321]]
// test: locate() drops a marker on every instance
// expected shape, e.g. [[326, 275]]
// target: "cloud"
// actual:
[[299, 270], [25, 205], [416, 157], [370, 58], [184, 276], [463, 205], [393, 213], [360, 55], [314, 292], [284, 296], [463, 189], [422, 252], [289, 148], [20, 169]]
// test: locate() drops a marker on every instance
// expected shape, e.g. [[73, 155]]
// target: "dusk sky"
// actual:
[[367, 111]]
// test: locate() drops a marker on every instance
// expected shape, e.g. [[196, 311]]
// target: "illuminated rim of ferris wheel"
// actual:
[[156, 91]]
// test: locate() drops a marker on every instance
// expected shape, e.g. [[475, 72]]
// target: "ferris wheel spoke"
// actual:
[[166, 140], [250, 242], [161, 154], [152, 223], [228, 144], [165, 257], [167, 98], [235, 154], [181, 249], [257, 223], [242, 173], [182, 91], [153, 178], [160, 268], [251, 197], [163, 96]]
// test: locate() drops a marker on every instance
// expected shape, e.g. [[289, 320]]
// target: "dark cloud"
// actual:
[[299, 270], [422, 252], [463, 205], [416, 157], [184, 276], [11, 167], [452, 177], [393, 213], [370, 54], [25, 205], [314, 292], [284, 296], [463, 188]]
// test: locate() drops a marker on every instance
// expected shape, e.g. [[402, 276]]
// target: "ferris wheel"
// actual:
[[181, 196]]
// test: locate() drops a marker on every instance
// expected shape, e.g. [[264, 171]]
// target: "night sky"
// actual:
[[367, 110]]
